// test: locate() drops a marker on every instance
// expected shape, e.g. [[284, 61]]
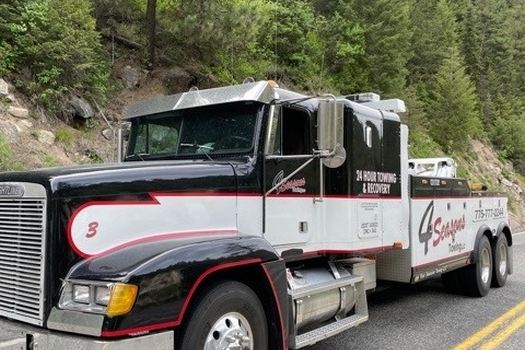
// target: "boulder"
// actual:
[[46, 137], [9, 131], [24, 124], [4, 88], [177, 80], [18, 112], [131, 76], [80, 107]]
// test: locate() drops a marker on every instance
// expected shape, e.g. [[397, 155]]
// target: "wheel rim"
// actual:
[[231, 332], [502, 260], [485, 265]]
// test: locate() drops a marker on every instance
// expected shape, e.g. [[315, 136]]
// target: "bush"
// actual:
[[59, 44], [7, 162], [49, 161], [64, 136]]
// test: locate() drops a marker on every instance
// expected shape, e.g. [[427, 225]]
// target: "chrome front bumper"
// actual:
[[19, 336]]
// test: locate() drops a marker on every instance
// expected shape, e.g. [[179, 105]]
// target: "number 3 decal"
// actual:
[[92, 229]]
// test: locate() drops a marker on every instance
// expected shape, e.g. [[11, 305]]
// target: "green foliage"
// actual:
[[388, 34], [434, 34], [10, 27], [293, 41], [422, 145], [452, 106], [7, 163], [508, 133], [459, 65], [56, 40], [5, 154], [62, 42], [64, 136], [49, 161]]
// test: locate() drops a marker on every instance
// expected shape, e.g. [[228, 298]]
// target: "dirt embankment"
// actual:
[[499, 175]]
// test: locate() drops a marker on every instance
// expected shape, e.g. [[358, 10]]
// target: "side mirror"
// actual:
[[330, 120]]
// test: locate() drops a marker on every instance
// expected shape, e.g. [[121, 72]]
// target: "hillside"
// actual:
[[70, 65]]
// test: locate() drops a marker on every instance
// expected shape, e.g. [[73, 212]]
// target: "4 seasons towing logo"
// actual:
[[438, 230], [294, 185]]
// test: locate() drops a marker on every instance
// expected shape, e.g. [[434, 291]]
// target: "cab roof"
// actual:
[[260, 91]]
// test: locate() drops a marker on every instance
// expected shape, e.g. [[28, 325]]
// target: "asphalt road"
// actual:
[[425, 316]]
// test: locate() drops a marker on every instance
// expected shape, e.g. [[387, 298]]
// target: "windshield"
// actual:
[[218, 129]]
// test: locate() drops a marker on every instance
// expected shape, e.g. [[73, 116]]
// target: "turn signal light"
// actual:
[[122, 299]]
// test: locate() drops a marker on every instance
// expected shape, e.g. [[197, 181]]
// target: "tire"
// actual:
[[500, 255], [478, 277], [227, 309], [452, 281]]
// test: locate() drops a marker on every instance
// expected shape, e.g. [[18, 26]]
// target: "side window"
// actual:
[[290, 133], [295, 131], [274, 140]]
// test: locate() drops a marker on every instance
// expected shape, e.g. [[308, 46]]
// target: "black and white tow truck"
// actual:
[[241, 217]]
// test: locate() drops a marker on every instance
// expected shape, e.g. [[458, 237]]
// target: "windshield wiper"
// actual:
[[208, 156], [195, 144]]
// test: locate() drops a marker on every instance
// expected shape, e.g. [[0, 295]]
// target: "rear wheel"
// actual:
[[478, 276], [229, 316], [500, 254]]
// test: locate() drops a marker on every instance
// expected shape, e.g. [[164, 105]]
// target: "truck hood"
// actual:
[[128, 178]]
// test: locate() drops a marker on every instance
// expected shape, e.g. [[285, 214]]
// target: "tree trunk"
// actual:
[[151, 14]]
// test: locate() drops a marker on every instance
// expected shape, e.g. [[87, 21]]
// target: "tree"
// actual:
[[488, 48], [387, 34], [451, 105], [151, 20], [61, 47], [435, 34], [10, 27]]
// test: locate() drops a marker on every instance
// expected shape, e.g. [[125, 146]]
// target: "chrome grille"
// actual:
[[22, 247]]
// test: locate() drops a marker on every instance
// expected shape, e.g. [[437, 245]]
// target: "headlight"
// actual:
[[81, 294], [112, 299], [102, 294]]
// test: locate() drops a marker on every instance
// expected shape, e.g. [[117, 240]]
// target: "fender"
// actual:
[[501, 231], [169, 273], [504, 226], [481, 232]]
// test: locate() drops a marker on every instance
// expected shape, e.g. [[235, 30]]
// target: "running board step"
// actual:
[[329, 330]]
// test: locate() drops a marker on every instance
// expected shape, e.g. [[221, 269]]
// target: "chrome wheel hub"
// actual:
[[231, 332], [485, 265], [502, 259]]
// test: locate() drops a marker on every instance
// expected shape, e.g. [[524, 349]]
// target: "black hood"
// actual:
[[129, 178]]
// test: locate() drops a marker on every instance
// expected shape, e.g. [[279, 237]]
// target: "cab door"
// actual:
[[291, 178]]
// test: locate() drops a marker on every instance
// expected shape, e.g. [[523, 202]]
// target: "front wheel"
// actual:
[[500, 253], [229, 316]]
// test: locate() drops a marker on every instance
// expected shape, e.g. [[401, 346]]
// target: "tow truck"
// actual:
[[241, 217]]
